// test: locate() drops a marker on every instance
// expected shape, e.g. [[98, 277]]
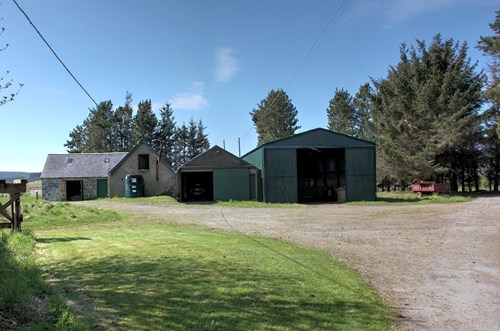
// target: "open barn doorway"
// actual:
[[320, 174], [74, 190], [197, 186]]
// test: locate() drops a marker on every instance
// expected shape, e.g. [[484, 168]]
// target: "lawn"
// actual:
[[114, 276]]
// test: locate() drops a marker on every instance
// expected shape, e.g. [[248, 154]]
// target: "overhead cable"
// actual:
[[336, 15], [55, 54]]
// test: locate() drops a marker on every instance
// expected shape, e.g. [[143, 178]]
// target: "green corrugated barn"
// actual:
[[315, 166], [217, 175]]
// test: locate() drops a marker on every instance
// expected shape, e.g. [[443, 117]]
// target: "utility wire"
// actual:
[[334, 17], [339, 11], [55, 54]]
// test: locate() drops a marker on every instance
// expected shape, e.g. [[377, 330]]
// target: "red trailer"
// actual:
[[430, 187]]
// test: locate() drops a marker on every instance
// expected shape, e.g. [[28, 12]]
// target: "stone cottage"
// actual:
[[83, 176]]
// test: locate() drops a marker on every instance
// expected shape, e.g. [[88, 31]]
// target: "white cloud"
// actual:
[[226, 64], [192, 99]]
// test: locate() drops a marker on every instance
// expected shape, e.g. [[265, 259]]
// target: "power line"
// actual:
[[55, 54], [337, 13], [333, 18]]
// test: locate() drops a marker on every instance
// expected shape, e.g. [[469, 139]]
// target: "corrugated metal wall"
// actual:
[[280, 180], [231, 184], [278, 162], [360, 174]]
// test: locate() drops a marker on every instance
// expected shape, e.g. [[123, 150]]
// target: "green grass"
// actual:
[[39, 215], [409, 197], [171, 277], [26, 302], [156, 200]]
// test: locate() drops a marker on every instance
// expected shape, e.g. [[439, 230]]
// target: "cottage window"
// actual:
[[143, 161]]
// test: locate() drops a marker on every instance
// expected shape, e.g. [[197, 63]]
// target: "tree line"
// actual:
[[118, 130], [433, 117]]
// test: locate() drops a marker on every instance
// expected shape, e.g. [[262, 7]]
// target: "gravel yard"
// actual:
[[437, 264]]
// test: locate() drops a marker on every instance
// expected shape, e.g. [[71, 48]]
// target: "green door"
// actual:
[[102, 188]]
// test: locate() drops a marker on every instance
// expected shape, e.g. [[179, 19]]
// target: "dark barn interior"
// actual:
[[319, 173], [197, 186], [74, 190]]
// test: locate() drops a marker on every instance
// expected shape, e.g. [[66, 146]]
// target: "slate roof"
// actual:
[[80, 165]]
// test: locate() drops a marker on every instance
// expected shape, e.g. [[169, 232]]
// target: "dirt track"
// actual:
[[438, 265]]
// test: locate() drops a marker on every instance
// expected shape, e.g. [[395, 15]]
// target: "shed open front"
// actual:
[[197, 186], [321, 174]]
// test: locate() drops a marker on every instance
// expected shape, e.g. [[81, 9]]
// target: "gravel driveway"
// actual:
[[438, 265]]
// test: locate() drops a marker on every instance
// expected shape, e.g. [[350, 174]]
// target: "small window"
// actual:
[[143, 161]]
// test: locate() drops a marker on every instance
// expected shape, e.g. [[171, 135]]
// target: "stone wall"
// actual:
[[51, 189]]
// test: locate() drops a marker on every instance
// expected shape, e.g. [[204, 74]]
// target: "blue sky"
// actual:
[[214, 60]]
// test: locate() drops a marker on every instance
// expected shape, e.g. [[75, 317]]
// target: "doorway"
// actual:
[[102, 188], [74, 191], [197, 186], [320, 172]]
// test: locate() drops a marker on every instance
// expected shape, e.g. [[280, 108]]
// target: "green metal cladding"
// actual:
[[231, 183], [277, 161]]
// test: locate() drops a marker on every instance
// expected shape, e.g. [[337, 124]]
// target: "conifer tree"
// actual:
[[181, 148], [490, 46], [96, 134], [425, 115], [362, 103], [145, 123], [165, 134], [78, 140], [275, 117], [342, 115], [123, 124], [202, 143]]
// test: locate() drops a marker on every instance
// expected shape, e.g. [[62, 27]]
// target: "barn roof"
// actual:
[[216, 157], [80, 165], [317, 138]]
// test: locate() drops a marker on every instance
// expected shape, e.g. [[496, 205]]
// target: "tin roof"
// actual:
[[215, 157]]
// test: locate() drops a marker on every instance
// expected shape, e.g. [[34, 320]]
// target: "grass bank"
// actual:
[[26, 301], [171, 277]]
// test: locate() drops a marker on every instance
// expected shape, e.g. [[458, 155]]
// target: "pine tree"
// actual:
[[362, 103], [100, 129], [491, 118], [202, 144], [181, 148], [342, 116], [78, 140], [191, 138], [425, 115], [145, 123], [275, 117], [123, 124], [165, 134], [96, 134]]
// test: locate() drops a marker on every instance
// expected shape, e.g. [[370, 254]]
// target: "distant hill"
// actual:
[[12, 175]]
